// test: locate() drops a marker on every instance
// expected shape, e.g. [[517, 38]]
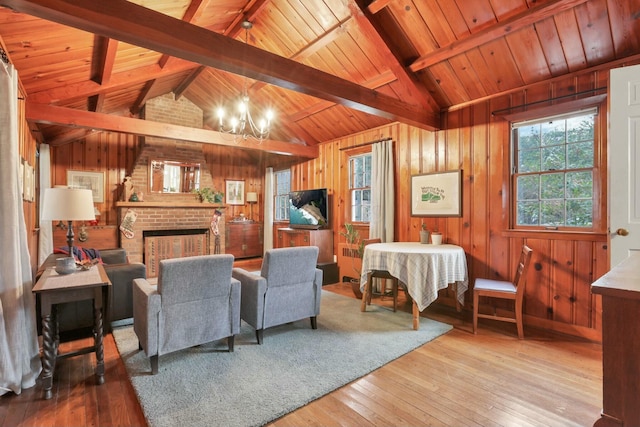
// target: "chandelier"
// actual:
[[241, 124]]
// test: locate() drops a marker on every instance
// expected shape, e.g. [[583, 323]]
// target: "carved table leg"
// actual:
[[99, 347], [49, 354]]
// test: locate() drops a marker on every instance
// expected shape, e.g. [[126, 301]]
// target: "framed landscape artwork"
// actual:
[[437, 194], [93, 181]]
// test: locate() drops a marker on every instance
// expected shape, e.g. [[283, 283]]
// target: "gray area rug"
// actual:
[[208, 386]]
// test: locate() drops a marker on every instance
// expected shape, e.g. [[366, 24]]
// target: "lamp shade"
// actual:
[[67, 204], [252, 197]]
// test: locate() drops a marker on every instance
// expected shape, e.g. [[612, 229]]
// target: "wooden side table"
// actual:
[[53, 288]]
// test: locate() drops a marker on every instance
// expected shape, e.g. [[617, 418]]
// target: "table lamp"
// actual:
[[251, 199], [68, 204]]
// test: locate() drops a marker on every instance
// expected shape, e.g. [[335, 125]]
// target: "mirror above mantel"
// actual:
[[167, 176]]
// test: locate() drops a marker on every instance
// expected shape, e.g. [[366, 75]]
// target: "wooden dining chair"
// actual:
[[504, 290], [379, 274]]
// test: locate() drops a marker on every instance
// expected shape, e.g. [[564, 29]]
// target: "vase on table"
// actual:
[[436, 238]]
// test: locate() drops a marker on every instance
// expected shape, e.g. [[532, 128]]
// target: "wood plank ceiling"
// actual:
[[329, 68]]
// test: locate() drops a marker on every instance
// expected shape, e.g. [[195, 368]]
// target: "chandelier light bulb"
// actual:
[[242, 107]]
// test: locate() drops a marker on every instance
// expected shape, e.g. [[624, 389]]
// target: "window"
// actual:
[[360, 187], [553, 171], [282, 188]]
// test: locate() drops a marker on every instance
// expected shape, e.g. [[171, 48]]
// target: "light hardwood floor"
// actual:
[[459, 379]]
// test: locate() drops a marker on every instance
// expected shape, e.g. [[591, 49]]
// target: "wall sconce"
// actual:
[[251, 199]]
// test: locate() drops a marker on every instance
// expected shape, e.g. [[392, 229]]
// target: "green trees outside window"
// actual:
[[553, 162]]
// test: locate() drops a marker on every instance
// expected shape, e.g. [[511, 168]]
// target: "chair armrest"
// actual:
[[318, 288], [253, 290], [319, 277], [146, 307], [121, 277], [236, 299], [113, 256]]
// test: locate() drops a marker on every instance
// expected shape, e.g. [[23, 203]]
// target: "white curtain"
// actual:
[[45, 241], [268, 210], [19, 355], [382, 192]]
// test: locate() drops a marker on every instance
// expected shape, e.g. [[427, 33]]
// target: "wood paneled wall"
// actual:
[[473, 139], [477, 141]]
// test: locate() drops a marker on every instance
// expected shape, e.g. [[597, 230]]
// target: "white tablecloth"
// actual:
[[424, 268]]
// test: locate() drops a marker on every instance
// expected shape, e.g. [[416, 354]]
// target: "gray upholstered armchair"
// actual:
[[195, 302], [288, 288]]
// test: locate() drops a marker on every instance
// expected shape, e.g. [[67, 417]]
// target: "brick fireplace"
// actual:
[[176, 212], [158, 216]]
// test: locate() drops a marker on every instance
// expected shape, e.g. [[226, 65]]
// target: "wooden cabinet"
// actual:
[[90, 237], [323, 239], [620, 290], [243, 239]]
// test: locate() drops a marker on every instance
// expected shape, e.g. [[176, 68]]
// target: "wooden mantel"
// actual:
[[168, 205], [156, 215]]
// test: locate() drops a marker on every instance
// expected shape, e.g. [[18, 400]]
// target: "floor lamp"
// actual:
[[251, 199], [68, 204]]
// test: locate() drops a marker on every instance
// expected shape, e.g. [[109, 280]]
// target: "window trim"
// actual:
[[350, 190], [600, 196], [276, 194], [347, 153]]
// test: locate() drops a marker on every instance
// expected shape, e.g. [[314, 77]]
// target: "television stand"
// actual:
[[323, 239]]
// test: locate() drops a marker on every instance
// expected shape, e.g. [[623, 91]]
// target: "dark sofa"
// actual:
[[79, 315]]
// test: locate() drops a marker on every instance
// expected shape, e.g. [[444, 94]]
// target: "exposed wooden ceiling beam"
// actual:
[[380, 80], [373, 31], [329, 36], [142, 97], [69, 135], [377, 5], [193, 10], [249, 12], [122, 80], [186, 82], [128, 22], [49, 114], [502, 28], [104, 56]]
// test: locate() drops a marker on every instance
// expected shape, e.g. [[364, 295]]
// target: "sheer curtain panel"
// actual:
[[19, 355]]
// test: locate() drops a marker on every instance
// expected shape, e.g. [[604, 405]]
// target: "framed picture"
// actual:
[[93, 181], [437, 194], [234, 192], [28, 182], [21, 177]]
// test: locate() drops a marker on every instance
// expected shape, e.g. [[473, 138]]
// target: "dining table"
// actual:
[[423, 269]]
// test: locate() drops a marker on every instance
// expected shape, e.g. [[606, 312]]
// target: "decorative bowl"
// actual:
[[66, 265]]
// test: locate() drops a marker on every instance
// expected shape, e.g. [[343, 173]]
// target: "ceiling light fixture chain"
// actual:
[[241, 125]]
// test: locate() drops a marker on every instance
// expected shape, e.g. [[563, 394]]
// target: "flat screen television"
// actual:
[[309, 209]]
